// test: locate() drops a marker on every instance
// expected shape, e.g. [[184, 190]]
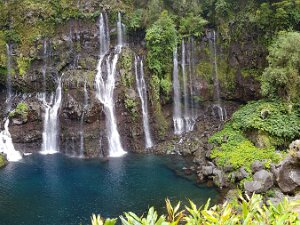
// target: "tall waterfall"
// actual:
[[105, 83], [189, 114], [177, 113], [218, 106], [6, 144], [142, 90], [51, 122], [85, 105], [190, 57], [8, 79], [185, 88]]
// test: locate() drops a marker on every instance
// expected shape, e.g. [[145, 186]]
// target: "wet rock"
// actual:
[[188, 171], [256, 166], [207, 170], [262, 181]]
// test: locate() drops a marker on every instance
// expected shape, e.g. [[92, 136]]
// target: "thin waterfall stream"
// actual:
[[85, 106], [217, 97], [142, 90]]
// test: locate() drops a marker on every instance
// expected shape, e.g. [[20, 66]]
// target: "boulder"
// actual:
[[295, 145], [219, 178], [257, 166], [262, 181], [288, 177], [241, 174]]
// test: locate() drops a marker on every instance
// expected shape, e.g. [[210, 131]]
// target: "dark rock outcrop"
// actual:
[[288, 175], [262, 181]]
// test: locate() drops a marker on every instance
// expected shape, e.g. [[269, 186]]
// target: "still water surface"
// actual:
[[57, 190]]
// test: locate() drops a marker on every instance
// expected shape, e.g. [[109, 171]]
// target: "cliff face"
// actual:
[[73, 53]]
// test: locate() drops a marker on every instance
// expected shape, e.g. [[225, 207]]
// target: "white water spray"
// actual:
[[105, 84], [6, 145]]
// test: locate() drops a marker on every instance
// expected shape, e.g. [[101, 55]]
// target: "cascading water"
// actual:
[[44, 68], [177, 113], [9, 93], [142, 90], [85, 105], [218, 106], [51, 122], [105, 83], [6, 144], [186, 115], [190, 58]]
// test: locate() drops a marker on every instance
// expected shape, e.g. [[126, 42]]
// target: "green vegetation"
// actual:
[[276, 118], [282, 78], [255, 131], [235, 150], [161, 40], [21, 110], [155, 101], [244, 211], [3, 161]]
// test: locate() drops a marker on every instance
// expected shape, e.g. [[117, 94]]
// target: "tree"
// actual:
[[161, 40], [282, 77]]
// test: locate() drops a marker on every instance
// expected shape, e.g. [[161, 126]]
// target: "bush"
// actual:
[[233, 149], [21, 110], [276, 118], [245, 211]]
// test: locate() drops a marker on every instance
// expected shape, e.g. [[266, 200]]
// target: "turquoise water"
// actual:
[[57, 190]]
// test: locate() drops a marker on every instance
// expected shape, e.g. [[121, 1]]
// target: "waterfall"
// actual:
[[193, 113], [105, 83], [177, 114], [120, 30], [85, 105], [44, 68], [142, 90], [185, 88], [218, 106], [51, 122], [6, 144], [8, 79]]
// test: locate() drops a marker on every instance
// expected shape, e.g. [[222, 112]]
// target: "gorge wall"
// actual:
[[72, 53]]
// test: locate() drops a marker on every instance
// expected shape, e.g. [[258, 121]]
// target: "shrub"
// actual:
[[21, 110], [276, 118], [233, 149], [244, 211]]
